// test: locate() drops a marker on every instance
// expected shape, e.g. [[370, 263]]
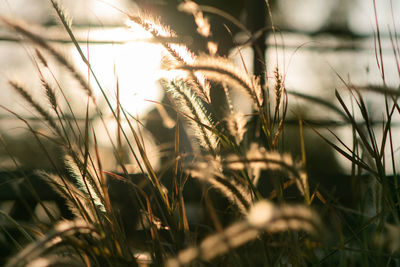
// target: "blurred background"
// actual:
[[315, 44], [318, 47]]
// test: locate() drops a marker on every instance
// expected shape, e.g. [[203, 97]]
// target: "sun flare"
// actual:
[[128, 62]]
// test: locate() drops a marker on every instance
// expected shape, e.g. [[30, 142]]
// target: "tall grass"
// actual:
[[230, 155]]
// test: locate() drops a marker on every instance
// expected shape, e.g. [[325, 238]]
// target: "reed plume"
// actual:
[[263, 217], [198, 117], [229, 161], [28, 98], [222, 70], [38, 40], [237, 126], [210, 171], [258, 158], [51, 240]]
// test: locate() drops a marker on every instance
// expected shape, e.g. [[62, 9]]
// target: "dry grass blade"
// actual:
[[356, 160], [279, 89], [210, 172], [180, 54], [24, 93], [50, 240], [355, 125], [222, 70], [237, 126], [17, 225], [153, 177], [77, 201], [378, 89], [188, 103], [262, 217], [319, 101], [257, 159]]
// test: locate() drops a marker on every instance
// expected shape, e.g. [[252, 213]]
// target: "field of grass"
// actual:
[[226, 193]]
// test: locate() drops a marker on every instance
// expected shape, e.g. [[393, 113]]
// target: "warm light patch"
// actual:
[[261, 214], [134, 64]]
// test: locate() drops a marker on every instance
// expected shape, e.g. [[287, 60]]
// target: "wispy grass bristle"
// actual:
[[28, 98], [262, 217], [203, 25], [41, 58], [77, 201], [62, 230], [257, 159], [86, 181], [156, 213], [38, 40], [199, 118], [222, 70], [211, 173], [278, 89], [62, 12], [237, 126]]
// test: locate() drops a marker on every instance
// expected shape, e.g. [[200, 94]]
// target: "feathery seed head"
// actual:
[[261, 213], [199, 117], [237, 126], [189, 7], [258, 158], [222, 70], [212, 48], [278, 88], [62, 12], [41, 57], [203, 25]]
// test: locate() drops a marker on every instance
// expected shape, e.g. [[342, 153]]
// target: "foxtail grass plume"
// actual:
[[203, 25], [62, 13], [212, 48], [199, 119], [222, 70], [263, 216], [210, 171], [58, 235], [78, 202], [279, 90], [36, 39], [82, 190], [177, 53], [56, 260], [86, 181], [261, 213], [237, 125], [42, 111], [258, 158]]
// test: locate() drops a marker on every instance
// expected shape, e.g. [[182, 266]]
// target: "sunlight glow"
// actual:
[[137, 29], [133, 65], [130, 62]]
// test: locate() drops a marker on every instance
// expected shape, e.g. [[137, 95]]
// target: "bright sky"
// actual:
[[136, 64]]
